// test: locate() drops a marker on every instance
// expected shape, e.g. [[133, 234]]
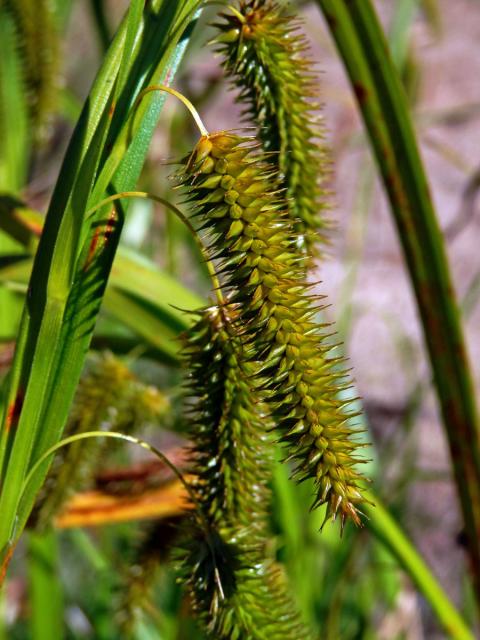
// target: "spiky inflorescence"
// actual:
[[265, 54], [235, 195], [109, 398], [39, 45], [237, 590]]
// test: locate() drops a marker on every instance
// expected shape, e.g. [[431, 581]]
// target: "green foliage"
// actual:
[[13, 110], [384, 108], [45, 587], [76, 251], [261, 364], [264, 53], [14, 152]]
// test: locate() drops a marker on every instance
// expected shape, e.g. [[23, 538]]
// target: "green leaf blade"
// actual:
[[384, 108]]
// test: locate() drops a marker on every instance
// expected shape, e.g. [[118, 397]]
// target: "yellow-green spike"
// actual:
[[265, 54], [261, 268]]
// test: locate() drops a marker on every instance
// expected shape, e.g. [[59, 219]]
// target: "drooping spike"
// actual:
[[264, 54], [231, 464], [276, 318]]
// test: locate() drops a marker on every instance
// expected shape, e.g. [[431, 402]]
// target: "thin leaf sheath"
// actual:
[[237, 590], [235, 195], [266, 56]]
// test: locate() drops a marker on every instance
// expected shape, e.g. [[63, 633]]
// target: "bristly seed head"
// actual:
[[253, 240], [231, 463], [264, 53]]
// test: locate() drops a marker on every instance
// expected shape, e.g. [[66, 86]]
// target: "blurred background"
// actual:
[[354, 589]]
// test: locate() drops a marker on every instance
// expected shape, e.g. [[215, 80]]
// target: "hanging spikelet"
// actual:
[[143, 565], [234, 193], [109, 398], [39, 45], [266, 56], [237, 591]]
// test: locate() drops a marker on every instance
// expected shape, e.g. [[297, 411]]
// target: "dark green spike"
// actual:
[[237, 590]]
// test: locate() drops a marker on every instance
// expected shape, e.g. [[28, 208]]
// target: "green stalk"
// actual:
[[46, 622], [100, 20], [13, 151], [400, 31], [384, 527], [375, 81]]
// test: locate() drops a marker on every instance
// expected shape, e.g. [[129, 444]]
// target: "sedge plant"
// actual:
[[267, 388]]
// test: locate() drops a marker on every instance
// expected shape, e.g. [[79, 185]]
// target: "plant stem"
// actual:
[[45, 587], [384, 527], [362, 46]]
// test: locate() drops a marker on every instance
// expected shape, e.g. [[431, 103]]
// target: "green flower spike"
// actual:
[[234, 193], [265, 55], [237, 590]]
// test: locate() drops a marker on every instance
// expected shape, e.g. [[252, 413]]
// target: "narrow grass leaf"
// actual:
[[377, 87], [45, 589], [384, 527], [69, 276]]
